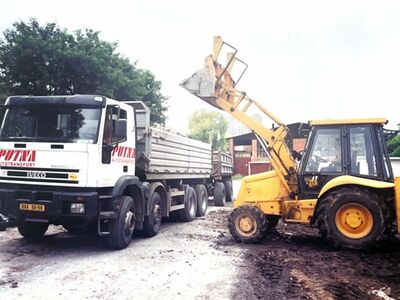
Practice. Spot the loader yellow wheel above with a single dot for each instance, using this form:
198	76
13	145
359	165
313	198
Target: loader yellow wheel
354	220
353	217
247	224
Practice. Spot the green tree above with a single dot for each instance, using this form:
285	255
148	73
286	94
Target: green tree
210	127
48	60
393	146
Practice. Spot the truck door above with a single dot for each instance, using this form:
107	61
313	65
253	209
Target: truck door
118	145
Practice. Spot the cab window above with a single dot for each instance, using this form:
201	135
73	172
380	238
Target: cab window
326	152
362	157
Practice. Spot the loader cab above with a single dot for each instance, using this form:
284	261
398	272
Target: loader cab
336	148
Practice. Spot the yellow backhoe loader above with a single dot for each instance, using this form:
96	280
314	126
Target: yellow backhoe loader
343	182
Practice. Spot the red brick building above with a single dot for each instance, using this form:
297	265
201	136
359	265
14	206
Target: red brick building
250	158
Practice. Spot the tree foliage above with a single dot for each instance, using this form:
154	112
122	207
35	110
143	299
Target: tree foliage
393	146
210	127
48	60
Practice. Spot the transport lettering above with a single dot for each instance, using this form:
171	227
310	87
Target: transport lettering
17	158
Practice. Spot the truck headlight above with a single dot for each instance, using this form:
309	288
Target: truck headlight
78	208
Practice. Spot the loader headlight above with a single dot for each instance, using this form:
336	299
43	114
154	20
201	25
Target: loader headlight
78	208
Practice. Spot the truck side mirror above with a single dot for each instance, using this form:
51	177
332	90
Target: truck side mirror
120	130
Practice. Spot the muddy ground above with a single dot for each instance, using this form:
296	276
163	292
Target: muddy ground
197	260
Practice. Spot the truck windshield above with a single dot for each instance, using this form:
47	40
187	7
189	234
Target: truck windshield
51	123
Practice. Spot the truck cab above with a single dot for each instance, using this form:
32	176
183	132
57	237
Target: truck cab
59	155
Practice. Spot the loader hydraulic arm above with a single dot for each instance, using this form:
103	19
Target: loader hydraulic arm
215	85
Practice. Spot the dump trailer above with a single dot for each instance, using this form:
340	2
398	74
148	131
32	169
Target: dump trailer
341	183
90	163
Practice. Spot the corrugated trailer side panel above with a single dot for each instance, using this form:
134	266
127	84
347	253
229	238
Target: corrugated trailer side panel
175	156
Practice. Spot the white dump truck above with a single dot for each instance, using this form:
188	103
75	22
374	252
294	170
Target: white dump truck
87	161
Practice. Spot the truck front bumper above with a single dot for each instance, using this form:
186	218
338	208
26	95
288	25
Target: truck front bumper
46	205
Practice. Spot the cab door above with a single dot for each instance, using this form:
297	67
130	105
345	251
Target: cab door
118	146
323	160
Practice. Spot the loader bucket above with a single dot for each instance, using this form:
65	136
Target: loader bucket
202	83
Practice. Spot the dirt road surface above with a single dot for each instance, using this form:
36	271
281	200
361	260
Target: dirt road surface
197	260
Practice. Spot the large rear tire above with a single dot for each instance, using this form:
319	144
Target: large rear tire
229	191
219	194
121	228
152	222
353	218
188	213
202	200
32	230
247	224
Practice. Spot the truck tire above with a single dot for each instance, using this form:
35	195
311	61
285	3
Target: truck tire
247	224
152	222
229	191
188	213
353	218
202	200
32	230
219	194
121	228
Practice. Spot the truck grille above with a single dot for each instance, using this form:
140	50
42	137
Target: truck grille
39	175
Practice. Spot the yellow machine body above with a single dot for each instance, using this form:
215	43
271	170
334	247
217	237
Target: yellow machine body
277	194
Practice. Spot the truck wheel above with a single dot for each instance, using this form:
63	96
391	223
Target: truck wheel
247	224
152	222
121	228
202	200
32	230
219	194
352	218
188	213
229	191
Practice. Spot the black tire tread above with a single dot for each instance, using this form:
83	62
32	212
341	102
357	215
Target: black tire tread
323	213
219	194
114	239
32	230
261	228
228	190
184	214
199	188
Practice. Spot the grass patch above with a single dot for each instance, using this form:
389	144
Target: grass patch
237	176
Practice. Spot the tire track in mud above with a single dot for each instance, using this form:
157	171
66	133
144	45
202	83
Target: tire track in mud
294	262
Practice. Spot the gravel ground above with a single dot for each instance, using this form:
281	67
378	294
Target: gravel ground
197	260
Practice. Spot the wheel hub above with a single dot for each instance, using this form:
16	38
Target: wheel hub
129	222
354	220
246	225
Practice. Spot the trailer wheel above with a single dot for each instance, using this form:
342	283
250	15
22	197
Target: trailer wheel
229	191
202	200
219	194
352	218
188	213
32	230
121	228
247	224
152	222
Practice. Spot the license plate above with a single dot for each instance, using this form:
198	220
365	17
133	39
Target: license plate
31	207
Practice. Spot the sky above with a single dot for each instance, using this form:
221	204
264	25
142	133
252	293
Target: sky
307	59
